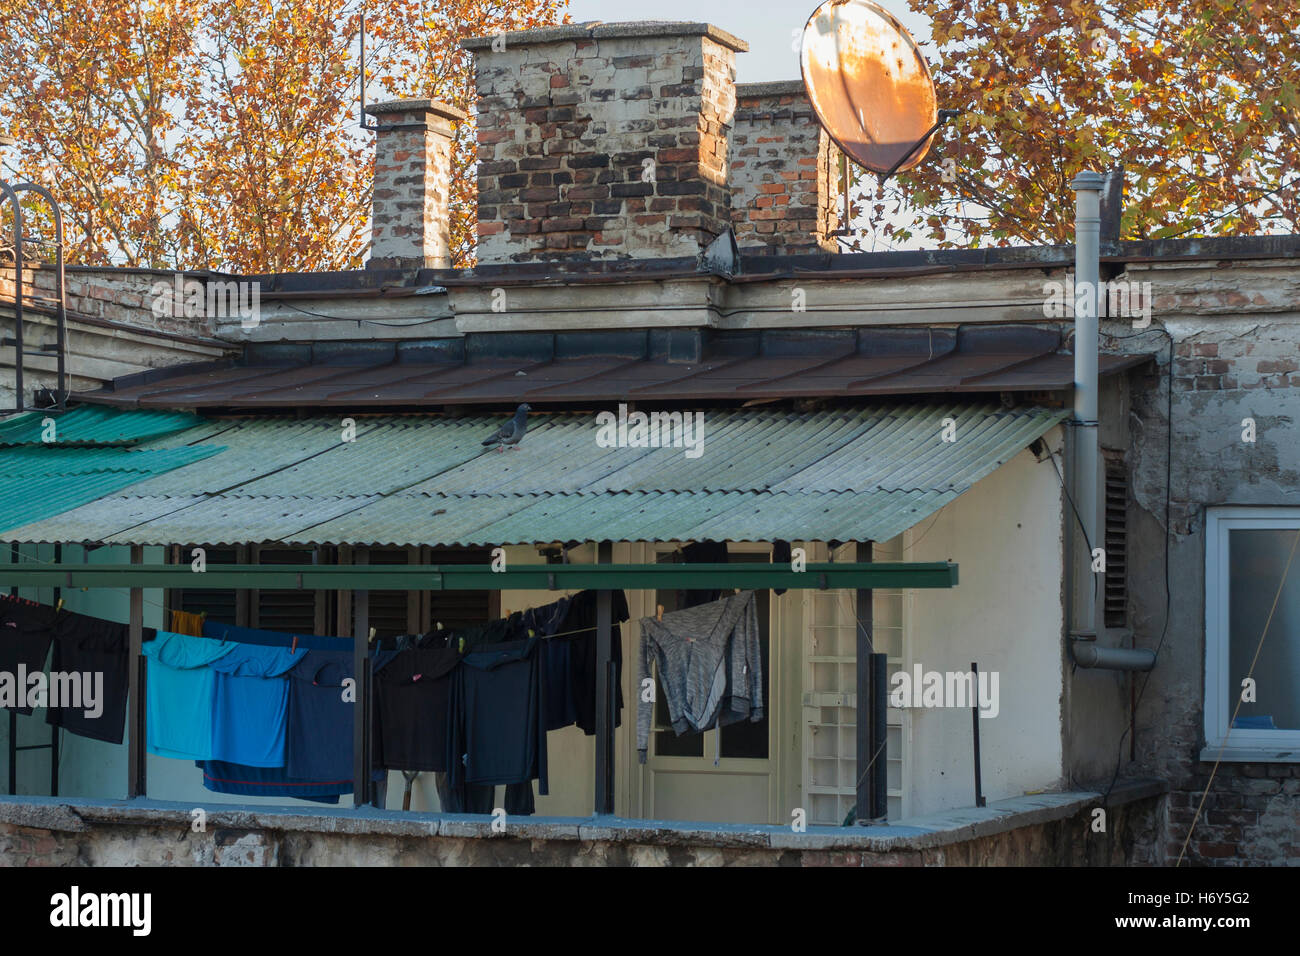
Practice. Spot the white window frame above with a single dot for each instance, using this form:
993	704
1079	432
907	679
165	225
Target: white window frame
1260	746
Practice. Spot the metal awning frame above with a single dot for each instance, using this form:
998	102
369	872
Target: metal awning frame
465	577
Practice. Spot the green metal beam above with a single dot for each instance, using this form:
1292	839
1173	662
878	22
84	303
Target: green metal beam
465	577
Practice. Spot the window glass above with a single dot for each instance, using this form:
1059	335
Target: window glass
1257	559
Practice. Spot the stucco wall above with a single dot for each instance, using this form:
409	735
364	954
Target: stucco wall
1006	615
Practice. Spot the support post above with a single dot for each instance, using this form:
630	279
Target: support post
866	766
604	691
136	784
879	737
361	716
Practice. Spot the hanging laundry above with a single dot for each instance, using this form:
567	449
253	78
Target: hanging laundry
183	622
710	666
26	630
318	741
250	635
250	716
497	733
581	617
100	649
702	552
180	694
413	693
222	777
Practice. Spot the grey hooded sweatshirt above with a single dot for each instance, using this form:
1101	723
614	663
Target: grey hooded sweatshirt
710	666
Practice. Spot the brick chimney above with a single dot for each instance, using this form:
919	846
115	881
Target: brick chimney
600	141
410	220
784	172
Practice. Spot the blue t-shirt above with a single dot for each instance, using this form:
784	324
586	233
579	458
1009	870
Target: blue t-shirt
179	694
251	704
319	745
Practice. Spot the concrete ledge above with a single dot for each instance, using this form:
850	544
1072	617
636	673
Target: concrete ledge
437	107
749	91
597	30
957	826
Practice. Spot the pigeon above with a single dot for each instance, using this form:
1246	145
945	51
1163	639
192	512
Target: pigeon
512	431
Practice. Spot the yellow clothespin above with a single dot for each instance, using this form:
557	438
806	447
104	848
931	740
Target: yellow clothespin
659	613
59	606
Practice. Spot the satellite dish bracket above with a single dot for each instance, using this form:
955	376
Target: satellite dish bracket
944	116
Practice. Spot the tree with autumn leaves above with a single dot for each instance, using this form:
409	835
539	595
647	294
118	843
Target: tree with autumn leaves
224	134
1198	99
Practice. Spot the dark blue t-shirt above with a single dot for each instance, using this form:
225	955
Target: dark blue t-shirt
318	743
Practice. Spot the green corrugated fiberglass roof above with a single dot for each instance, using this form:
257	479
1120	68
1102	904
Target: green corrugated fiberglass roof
852	474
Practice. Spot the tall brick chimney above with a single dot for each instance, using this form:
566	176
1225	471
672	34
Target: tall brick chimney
784	172
410	219
601	141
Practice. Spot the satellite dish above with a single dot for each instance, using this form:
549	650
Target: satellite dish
869	84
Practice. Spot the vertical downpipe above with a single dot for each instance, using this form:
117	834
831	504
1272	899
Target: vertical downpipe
1087	228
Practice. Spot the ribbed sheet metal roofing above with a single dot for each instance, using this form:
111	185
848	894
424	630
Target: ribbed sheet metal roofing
849	474
38	483
91	425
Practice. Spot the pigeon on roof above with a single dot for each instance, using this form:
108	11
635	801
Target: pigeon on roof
509	434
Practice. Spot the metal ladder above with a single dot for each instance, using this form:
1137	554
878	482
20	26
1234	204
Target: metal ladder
58	348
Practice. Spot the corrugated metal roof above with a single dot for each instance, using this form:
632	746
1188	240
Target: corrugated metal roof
579	367
852	474
38	483
92	425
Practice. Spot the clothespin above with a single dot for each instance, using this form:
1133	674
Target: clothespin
531	632
203	616
439	625
659	613
294	648
462	645
372	635
59	606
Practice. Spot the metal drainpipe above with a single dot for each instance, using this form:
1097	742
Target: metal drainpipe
1087	187
1087	232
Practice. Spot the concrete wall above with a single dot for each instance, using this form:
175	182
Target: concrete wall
112	329
1236	334
1045	830
1007	615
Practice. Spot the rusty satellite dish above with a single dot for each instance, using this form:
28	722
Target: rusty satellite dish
869	84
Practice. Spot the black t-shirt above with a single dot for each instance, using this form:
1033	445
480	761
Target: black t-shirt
25	634
412	693
86	645
582	655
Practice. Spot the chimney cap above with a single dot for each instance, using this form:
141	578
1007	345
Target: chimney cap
595	29
418	106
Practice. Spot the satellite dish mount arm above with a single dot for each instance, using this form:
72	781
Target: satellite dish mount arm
944	116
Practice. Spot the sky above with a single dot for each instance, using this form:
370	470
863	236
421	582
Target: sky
770	27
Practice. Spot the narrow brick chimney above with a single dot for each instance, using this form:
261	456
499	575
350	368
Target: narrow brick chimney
600	141
784	172
410	221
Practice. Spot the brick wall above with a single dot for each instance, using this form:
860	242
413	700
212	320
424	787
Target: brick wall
410	218
603	142
1251	816
784	172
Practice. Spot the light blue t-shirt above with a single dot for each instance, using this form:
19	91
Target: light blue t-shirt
179	689
251	704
